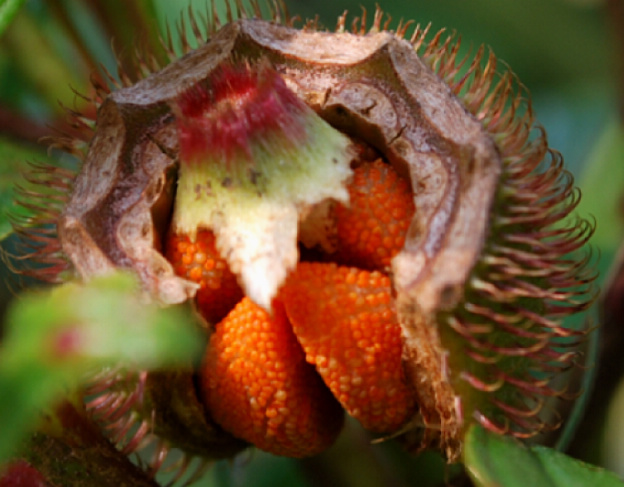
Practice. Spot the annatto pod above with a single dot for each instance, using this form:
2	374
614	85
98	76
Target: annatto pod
408	194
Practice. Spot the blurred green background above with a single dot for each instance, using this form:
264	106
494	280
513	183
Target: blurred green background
568	53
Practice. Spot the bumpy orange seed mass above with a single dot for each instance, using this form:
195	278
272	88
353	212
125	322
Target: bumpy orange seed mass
200	262
259	387
256	381
344	318
372	227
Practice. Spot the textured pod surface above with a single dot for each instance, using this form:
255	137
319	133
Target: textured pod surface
489	267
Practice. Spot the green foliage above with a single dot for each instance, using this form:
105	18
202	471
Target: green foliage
53	338
494	461
602	182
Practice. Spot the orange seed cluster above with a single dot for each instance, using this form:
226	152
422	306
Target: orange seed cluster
344	319
258	386
372	227
199	261
273	379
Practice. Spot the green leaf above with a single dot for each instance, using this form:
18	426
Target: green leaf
494	460
54	338
602	184
8	10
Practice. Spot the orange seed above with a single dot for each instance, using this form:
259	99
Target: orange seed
372	228
258	386
343	318
200	262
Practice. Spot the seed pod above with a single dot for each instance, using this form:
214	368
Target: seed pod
490	264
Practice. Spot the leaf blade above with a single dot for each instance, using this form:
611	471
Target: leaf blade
53	338
498	461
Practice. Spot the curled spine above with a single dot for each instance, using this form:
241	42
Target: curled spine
115	403
41	199
44	195
37	252
114	398
535	269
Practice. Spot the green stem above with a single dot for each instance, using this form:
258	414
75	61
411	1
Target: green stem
8	10
123	24
42	65
59	10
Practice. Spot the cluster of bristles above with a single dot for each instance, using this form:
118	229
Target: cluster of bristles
507	329
529	276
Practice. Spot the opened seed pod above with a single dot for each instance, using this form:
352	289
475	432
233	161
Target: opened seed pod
366	222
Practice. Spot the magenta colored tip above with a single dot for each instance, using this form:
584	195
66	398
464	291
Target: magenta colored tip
234	108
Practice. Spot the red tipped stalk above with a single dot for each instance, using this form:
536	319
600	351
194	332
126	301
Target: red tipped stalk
254	159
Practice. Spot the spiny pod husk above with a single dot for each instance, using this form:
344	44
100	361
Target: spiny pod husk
490	264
